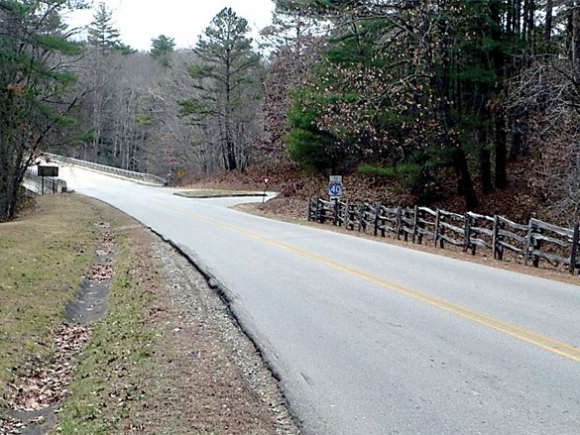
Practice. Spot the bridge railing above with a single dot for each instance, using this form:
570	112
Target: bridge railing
41	185
139	177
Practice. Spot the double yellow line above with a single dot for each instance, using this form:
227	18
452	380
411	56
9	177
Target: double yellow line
559	347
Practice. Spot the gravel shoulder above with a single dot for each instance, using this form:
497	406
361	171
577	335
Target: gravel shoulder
217	375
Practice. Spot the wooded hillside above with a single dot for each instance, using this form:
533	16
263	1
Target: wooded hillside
430	100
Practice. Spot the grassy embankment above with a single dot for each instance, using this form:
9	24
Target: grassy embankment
159	361
44	257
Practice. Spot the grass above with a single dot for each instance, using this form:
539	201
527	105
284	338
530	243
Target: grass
154	363
109	385
44	257
109	381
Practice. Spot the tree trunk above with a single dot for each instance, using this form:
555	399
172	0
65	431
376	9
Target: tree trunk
500	151
464	182
517	141
232	162
573	33
548	21
484	161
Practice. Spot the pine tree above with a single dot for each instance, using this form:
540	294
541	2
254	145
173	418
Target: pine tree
222	77
103	34
30	34
162	49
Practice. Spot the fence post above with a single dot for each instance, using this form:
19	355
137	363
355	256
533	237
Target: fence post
383	230
442	232
364	216
466	231
415	221
377	213
404	223
361	217
536	246
497	254
398	223
531	244
346	215
436	230
317	210
528	243
335	212
574	250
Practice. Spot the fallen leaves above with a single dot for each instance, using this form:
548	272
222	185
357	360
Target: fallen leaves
103	270
39	384
11	426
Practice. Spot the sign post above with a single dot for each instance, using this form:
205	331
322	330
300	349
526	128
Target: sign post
266	180
47	171
335	187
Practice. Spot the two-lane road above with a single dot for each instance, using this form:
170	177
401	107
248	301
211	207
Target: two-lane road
369	338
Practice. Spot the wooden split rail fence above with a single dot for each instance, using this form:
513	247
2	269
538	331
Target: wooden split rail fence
496	234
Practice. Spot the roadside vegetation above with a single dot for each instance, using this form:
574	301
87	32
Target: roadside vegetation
44	256
165	357
457	105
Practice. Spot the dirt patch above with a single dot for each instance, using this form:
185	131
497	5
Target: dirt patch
90	301
42	385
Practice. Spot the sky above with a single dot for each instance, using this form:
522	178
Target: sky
139	21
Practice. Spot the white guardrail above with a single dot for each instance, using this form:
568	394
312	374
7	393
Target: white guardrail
138	177
46	185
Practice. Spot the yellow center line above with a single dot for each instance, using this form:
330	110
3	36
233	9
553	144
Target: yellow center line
559	347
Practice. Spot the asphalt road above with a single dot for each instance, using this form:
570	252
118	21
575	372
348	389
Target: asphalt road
369	338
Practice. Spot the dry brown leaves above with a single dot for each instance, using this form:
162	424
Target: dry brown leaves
103	270
40	384
11	426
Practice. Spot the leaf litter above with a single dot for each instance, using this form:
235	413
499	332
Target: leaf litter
40	384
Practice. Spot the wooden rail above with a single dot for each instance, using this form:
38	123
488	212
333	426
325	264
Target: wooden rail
533	241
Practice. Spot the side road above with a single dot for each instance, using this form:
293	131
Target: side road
162	355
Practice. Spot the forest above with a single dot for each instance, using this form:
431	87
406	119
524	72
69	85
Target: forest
440	98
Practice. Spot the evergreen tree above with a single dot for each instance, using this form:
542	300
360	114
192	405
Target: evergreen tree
223	78
418	86
30	34
162	49
308	144
103	34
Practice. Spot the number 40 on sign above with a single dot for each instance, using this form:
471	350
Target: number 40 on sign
335	186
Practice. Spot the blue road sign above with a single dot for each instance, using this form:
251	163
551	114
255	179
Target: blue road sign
335	189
